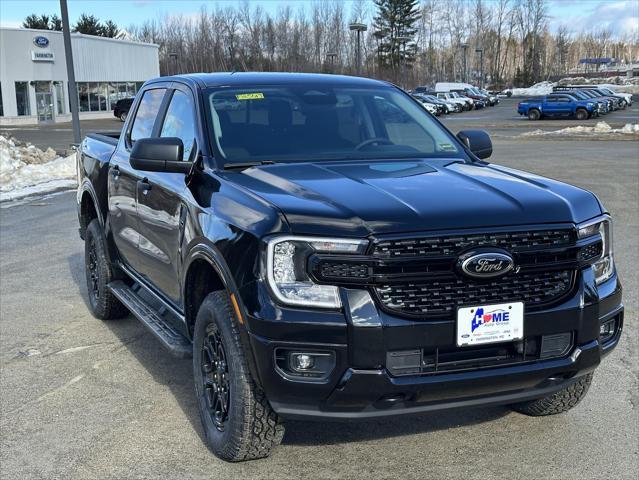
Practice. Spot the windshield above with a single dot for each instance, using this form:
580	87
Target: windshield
579	95
319	122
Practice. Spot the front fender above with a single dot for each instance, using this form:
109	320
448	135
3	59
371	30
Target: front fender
207	251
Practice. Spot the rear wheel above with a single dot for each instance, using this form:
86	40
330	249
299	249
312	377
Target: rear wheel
123	116
238	421
534	114
581	114
558	402
99	272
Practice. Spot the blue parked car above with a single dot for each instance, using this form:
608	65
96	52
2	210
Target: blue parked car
557	105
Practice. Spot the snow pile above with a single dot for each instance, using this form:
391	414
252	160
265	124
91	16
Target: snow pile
599	128
27	170
538	89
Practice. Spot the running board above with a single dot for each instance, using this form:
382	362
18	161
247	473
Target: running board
153	319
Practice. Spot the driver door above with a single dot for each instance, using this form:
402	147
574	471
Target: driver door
123	179
161	210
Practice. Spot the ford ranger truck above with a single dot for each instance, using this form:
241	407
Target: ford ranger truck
323	248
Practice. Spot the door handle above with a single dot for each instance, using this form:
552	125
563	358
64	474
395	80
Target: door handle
144	185
115	171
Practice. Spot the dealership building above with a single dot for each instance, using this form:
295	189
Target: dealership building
33	74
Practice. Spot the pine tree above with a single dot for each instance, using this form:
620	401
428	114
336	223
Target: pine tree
38	22
89	25
110	29
55	23
396	21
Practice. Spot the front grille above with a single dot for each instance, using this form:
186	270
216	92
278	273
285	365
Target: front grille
328	269
451	245
442	296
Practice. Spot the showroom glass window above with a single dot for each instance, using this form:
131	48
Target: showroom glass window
179	121
102	96
146	114
59	97
22	99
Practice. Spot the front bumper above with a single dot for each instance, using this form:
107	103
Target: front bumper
360	386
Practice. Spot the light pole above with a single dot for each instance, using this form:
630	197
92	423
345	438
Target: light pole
73	91
402	41
464	47
481	66
331	57
359	28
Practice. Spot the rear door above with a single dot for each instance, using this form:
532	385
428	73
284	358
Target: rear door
552	105
123	179
161	212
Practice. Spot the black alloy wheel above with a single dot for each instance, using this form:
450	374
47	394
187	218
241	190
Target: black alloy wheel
215	377
92	271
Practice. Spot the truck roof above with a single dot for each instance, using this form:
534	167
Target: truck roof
204	80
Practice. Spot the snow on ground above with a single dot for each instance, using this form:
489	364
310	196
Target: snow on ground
599	128
27	170
617	84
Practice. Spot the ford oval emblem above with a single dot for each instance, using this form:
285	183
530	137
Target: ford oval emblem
486	264
40	41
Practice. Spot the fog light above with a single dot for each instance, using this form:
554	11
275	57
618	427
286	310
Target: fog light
607	330
304	366
302	361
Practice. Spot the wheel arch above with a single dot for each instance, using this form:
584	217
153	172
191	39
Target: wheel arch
88	208
206	271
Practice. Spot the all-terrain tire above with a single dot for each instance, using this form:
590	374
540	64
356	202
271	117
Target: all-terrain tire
558	402
251	428
99	272
534	114
581	114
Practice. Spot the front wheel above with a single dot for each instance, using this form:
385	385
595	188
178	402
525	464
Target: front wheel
123	116
99	272
581	114
238	421
534	114
558	402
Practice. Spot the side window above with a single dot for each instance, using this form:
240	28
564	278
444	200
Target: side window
146	114
179	121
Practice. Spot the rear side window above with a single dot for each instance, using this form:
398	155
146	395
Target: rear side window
179	121
146	114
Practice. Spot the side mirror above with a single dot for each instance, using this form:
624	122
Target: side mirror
159	155
477	141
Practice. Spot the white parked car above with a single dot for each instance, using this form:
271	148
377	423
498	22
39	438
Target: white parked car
465	102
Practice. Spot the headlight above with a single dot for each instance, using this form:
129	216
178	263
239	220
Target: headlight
605	266
286	269
591	104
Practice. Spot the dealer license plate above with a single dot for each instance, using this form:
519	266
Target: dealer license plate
484	324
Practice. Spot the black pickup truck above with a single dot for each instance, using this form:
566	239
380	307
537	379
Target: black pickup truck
324	248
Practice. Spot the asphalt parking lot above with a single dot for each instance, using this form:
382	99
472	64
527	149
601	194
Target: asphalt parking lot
83	399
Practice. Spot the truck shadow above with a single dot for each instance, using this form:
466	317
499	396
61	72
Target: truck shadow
176	374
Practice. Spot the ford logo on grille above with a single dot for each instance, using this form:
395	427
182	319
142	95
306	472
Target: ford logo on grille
486	264
40	41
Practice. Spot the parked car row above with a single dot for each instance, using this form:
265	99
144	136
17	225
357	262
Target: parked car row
579	101
453	97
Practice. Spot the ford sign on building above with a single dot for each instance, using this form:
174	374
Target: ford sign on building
33	74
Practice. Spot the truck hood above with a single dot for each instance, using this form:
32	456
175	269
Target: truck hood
378	197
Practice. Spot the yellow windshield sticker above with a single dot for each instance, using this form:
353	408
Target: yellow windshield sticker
250	96
447	147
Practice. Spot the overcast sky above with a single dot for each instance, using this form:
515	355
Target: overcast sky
622	16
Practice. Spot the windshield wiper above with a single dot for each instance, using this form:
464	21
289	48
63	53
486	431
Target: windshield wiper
245	165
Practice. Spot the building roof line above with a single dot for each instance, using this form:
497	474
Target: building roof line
80	35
